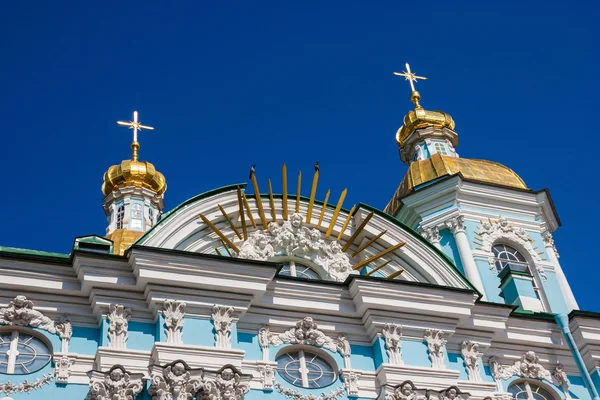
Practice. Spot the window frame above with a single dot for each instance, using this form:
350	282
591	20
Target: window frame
527	384
303	351
120	216
16	333
530	265
293	264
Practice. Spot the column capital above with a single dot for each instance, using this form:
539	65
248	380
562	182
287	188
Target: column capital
549	242
456	224
432	234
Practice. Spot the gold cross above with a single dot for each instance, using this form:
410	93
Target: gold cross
410	76
135	125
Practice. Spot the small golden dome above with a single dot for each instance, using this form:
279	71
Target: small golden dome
134	173
437	166
421	118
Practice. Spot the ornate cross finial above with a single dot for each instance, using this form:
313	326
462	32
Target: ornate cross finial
135	125
411	77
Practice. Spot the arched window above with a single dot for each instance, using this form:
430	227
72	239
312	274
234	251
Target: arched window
120	216
527	390
293	268
22	353
506	255
305	368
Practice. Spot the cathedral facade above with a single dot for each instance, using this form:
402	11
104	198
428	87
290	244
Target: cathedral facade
454	291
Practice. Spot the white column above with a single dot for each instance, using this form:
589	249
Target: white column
433	235
457	227
560	275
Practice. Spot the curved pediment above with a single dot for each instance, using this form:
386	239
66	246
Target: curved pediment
338	242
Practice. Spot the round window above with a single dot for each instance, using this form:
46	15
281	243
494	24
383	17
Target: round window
305	369
22	353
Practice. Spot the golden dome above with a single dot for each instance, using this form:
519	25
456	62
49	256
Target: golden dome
421	118
437	166
134	173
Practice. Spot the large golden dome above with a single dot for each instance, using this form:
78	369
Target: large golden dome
134	173
437	166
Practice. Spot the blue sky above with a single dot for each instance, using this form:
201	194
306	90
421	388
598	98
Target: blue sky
231	84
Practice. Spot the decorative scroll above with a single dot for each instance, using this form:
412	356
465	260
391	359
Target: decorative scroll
174	312
118	319
294	394
293	239
435	346
226	386
264	341
560	379
222	320
65	331
176	381
26	386
528	366
470	353
116	384
343	347
392	334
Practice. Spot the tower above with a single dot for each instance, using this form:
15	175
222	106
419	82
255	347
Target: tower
479	213
133	195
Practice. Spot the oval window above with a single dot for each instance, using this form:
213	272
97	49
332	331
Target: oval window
305	369
22	353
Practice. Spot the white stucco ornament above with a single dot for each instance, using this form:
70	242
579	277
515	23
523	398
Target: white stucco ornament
116	384
528	366
226	386
26	386
435	346
305	331
471	354
405	391
62	369
291	238
503	230
173	312
222	320
392	333
560	379
118	319
20	312
294	394
175	381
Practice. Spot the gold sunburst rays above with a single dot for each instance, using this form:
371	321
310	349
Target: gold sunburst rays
338	207
248	222
378	256
313	192
220	234
284	192
261	211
